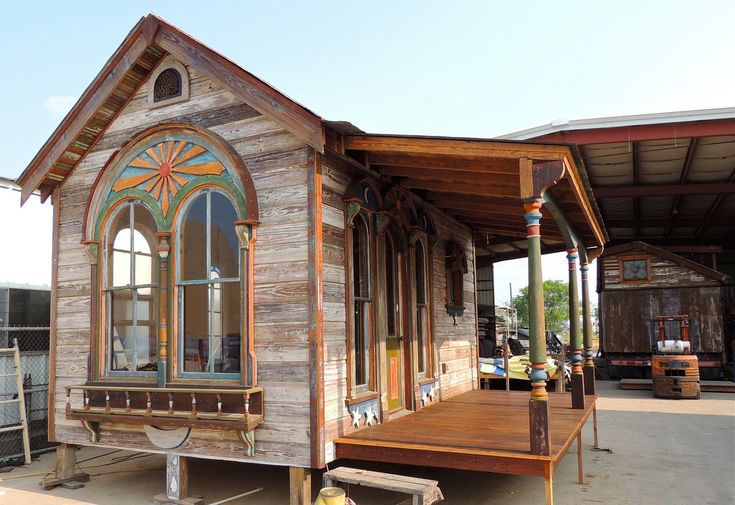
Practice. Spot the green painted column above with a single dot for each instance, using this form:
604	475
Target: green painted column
589	364
537	323
575	334
538	408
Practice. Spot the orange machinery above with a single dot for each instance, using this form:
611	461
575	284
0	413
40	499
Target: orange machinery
674	364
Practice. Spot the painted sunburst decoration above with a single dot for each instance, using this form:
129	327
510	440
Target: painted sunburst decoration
164	168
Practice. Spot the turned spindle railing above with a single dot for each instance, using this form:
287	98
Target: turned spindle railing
229	409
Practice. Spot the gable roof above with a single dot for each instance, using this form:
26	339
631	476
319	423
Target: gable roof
143	49
663	253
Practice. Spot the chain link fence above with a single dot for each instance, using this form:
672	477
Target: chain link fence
33	342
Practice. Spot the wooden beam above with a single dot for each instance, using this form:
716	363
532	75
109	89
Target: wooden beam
713	188
604	135
682	180
449	175
463	188
496	229
659	222
446	162
715	205
101	88
453	146
636	182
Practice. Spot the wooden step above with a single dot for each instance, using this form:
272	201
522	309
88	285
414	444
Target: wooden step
424	491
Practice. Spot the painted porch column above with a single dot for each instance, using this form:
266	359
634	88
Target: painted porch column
575	335
163	250
538	404
589	364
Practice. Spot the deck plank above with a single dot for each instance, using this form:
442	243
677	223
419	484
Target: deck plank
482	429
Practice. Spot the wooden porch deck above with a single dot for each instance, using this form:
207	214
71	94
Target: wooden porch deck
481	430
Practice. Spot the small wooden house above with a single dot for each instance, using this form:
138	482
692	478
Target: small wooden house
639	282
236	278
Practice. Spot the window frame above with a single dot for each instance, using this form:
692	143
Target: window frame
621	266
423	342
105	304
177	337
113	187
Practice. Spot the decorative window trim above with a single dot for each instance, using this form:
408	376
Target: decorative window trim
117	184
455	262
621	266
168	63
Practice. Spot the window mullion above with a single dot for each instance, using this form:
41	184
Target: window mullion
210	287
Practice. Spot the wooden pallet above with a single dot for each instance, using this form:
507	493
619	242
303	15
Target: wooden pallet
706	386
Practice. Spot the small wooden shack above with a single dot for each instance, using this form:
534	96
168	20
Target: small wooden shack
639	282
236	278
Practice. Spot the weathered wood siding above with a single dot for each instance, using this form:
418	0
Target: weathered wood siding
277	161
628	308
455	350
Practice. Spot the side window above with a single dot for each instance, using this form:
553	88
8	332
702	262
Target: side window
456	267
209	287
422	319
362	300
130	291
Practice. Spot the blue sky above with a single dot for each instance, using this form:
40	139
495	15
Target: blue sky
439	68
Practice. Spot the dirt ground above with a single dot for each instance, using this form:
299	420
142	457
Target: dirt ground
664	452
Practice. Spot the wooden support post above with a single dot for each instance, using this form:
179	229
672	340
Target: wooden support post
300	485
177	483
538	405
589	364
549	484
575	335
66	461
580	468
594	426
66	464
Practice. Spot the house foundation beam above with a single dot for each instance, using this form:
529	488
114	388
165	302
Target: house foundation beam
538	404
575	335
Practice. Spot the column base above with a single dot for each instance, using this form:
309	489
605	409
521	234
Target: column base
162	499
577	391
538	413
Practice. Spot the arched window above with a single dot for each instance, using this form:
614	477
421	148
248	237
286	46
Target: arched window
130	287
422	319
171	223
209	286
362	299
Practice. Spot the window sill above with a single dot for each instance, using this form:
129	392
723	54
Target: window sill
427	380
362	397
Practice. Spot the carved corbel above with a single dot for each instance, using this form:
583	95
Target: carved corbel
353	208
164	246
381	222
92	249
93	430
246	233
536	178
247	438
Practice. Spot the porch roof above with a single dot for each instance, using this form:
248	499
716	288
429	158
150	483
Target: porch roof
478	182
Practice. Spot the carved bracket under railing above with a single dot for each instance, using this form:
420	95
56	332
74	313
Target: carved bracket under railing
239	410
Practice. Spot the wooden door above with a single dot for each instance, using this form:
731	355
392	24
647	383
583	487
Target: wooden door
393	374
